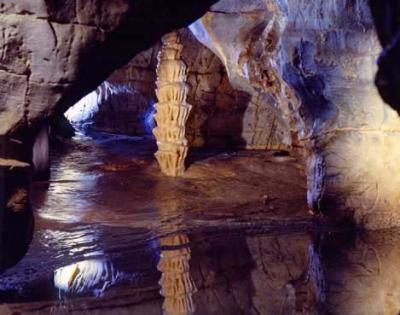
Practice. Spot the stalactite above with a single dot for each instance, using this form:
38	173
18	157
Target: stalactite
177	286
172	109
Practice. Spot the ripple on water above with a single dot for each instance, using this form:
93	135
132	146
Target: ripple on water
98	248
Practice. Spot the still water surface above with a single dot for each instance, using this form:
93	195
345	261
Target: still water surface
102	245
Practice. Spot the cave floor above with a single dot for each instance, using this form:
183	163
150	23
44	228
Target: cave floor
108	222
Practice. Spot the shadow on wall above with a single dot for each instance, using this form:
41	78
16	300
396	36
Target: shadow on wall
127	112
387	21
222	117
16	217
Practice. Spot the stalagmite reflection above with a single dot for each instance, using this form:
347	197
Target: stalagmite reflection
177	285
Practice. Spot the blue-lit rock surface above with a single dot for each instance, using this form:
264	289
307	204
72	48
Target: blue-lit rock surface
315	64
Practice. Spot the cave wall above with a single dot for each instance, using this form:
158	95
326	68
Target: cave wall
53	52
316	62
126	98
222	117
306	67
351	133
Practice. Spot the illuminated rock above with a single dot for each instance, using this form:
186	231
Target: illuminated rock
54	54
318	72
310	64
172	109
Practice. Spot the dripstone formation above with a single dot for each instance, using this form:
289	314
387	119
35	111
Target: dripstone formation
172	109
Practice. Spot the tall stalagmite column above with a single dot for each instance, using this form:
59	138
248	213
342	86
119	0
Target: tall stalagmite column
172	109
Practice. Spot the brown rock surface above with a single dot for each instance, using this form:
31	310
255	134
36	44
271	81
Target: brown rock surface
317	71
54	53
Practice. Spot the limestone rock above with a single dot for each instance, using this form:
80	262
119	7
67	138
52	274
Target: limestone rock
53	53
317	71
172	108
222	117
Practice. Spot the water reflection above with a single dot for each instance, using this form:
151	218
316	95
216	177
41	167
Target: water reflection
200	272
16	232
89	276
59	196
362	273
177	285
79	265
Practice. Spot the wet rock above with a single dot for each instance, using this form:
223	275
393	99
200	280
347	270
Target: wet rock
54	54
316	72
222	117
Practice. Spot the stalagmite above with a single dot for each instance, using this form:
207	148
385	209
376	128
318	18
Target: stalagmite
177	286
172	109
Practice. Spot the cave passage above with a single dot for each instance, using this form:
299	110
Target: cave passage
184	157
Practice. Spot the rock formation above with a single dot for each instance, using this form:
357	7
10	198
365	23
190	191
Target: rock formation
222	117
317	71
172	108
53	53
306	69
